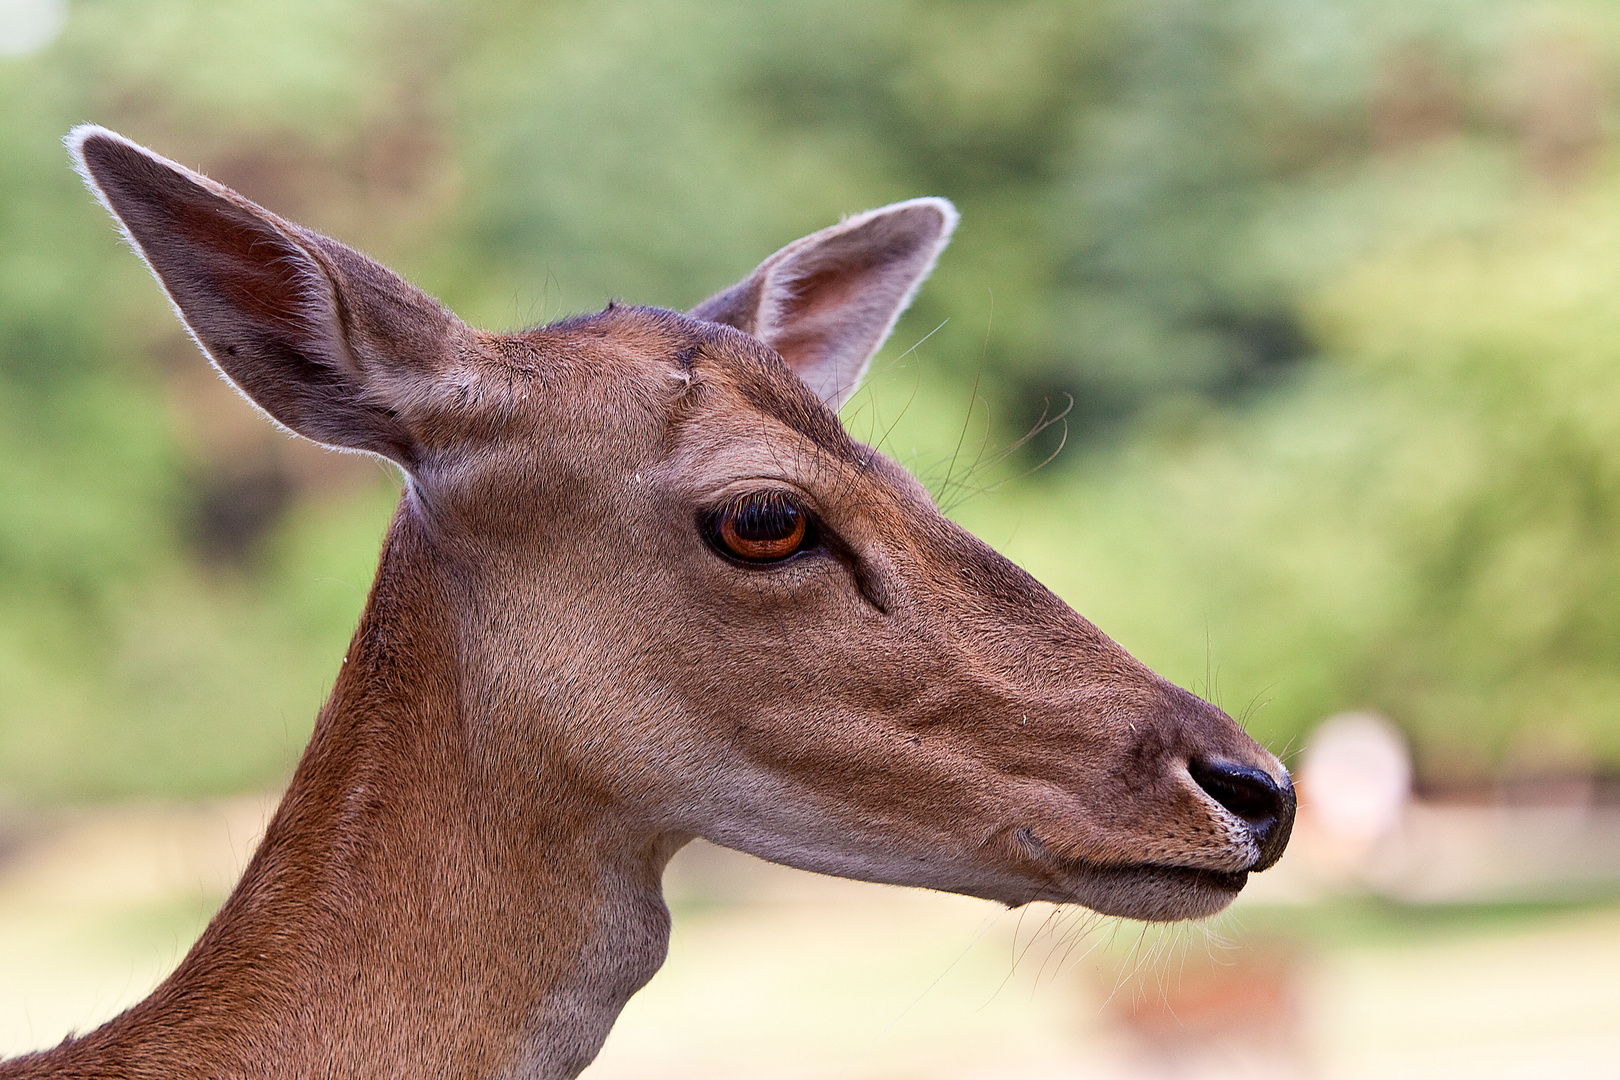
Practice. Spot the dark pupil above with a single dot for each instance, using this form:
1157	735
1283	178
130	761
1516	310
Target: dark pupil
765	518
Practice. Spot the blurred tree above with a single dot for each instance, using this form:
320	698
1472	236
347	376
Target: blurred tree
1505	350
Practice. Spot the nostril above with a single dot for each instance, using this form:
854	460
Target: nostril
1264	804
1247	792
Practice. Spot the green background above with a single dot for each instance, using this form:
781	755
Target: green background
1333	288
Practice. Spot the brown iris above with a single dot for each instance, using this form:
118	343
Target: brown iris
761	527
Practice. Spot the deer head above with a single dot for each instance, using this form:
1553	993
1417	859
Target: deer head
643	586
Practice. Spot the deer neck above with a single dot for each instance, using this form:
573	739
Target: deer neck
399	920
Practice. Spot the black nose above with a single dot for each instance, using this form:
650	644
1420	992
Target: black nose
1251	794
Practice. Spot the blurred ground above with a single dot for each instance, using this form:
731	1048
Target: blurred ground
775	973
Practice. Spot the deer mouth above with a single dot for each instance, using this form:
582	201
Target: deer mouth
1155	892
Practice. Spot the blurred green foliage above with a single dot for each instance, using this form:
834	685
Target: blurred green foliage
1327	283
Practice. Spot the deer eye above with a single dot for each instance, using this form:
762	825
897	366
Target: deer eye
761	527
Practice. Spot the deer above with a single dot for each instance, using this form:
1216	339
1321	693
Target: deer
641	587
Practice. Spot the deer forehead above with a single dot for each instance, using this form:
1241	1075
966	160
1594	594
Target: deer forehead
645	396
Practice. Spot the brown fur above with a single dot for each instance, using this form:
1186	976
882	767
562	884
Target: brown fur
556	683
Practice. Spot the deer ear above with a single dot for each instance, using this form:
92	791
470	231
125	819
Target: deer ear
326	341
827	302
